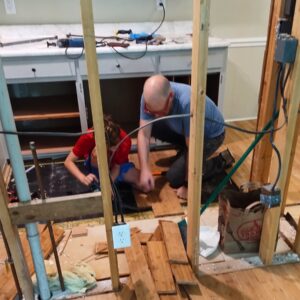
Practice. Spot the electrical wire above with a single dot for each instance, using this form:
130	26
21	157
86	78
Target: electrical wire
277	152
146	41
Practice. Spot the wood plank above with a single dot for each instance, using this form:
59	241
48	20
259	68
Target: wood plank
55	209
173	241
263	151
47	116
79	231
144	237
17	253
201	12
184	274
157	235
140	274
160	268
7	285
271	219
102	268
98	122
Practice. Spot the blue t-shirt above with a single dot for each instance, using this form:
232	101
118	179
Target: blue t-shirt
181	105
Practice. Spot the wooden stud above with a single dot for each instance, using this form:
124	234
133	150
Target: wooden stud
271	218
263	152
55	209
201	11
13	240
98	122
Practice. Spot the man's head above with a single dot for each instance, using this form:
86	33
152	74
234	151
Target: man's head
158	96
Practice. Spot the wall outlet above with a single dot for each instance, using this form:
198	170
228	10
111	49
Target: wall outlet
158	4
121	236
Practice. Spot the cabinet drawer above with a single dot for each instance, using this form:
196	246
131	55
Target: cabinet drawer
123	66
38	70
182	63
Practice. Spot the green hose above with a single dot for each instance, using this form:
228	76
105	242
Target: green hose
225	180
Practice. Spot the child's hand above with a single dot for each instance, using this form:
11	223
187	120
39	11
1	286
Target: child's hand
88	179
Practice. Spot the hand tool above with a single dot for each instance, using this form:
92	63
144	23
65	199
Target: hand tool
109	37
43	196
124	31
28	41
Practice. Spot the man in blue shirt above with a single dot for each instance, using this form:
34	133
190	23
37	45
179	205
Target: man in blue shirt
161	98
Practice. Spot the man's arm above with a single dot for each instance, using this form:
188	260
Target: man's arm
143	142
73	169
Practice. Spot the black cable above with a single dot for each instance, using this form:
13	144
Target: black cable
162	21
132	57
146	40
277	152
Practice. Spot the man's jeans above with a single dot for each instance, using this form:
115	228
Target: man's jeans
176	173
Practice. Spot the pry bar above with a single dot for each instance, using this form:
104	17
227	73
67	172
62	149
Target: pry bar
28	41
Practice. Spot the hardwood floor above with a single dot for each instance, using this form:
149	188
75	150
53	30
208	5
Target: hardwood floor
238	142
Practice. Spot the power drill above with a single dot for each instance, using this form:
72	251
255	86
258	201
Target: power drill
70	43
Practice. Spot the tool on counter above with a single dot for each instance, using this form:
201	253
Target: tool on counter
79	43
43	196
109	37
28	41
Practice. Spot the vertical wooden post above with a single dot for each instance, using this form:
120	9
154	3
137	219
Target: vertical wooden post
263	152
271	219
97	113
199	69
15	246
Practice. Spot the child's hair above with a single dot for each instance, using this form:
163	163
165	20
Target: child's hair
112	131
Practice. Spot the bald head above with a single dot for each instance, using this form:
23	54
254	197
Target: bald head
156	92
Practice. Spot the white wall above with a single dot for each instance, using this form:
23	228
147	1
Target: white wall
232	19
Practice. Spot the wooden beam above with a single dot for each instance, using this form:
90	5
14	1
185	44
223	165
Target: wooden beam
97	114
263	152
15	246
271	219
56	209
201	11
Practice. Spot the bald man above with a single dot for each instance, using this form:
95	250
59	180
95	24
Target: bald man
161	98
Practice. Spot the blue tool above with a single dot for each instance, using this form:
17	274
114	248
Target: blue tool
70	43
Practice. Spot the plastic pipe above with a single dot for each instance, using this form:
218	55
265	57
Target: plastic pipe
16	160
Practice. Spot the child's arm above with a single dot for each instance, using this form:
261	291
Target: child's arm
114	172
73	169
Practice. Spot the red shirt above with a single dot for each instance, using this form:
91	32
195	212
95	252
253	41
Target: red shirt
86	143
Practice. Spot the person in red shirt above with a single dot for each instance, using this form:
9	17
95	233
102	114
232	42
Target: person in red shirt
121	170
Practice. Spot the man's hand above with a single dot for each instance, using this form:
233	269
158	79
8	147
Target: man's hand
88	179
182	192
147	181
